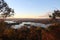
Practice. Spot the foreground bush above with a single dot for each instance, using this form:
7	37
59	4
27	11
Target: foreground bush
32	33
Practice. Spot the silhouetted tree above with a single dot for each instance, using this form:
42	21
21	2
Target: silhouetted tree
55	14
5	11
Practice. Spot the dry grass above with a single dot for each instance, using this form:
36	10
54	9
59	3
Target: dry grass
32	33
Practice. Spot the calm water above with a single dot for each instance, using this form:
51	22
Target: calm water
30	23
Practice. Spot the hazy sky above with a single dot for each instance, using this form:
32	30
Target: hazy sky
33	8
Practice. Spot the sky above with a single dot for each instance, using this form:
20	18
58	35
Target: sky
33	8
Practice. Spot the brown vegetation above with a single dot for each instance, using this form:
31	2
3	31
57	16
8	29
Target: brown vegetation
32	33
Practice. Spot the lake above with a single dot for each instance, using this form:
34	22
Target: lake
28	24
